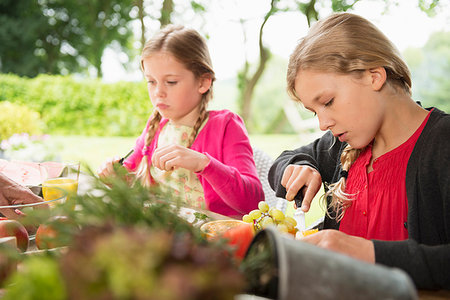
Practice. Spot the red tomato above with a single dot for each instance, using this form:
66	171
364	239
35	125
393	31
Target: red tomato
240	237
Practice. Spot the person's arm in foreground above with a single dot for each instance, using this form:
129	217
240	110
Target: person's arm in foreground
12	193
428	266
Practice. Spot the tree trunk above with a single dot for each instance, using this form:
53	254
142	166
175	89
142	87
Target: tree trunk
166	12
248	83
140	5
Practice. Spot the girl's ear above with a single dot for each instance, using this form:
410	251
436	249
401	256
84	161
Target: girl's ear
205	83
378	77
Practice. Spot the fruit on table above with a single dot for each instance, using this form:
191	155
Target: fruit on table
215	229
238	234
240	238
264	216
16	229
55	233
306	232
23	173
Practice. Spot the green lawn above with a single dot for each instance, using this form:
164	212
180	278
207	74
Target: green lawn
92	151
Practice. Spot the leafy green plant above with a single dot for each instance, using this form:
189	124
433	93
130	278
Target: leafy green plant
132	244
81	107
17	118
39	278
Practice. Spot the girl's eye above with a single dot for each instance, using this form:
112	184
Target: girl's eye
171	82
329	102
151	82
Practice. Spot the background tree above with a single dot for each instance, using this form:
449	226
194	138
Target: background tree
92	25
31	42
60	36
430	66
247	80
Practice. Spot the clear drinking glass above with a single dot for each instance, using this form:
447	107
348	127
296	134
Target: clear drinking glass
59	176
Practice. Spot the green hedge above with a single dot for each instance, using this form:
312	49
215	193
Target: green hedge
69	106
15	118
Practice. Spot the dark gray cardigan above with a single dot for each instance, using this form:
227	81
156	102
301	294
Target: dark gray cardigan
425	256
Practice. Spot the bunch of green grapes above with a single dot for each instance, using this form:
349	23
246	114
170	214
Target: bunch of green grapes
265	216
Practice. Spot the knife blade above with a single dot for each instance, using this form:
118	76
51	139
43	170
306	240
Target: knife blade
299	215
126	156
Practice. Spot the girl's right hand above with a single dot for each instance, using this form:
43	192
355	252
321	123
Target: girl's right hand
107	168
296	177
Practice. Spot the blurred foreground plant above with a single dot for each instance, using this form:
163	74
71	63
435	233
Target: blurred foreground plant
131	244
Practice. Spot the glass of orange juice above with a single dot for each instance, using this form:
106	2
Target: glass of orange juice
60	176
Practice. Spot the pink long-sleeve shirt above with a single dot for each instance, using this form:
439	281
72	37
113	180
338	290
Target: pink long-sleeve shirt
230	181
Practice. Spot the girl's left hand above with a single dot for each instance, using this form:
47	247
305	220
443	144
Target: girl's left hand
171	157
338	241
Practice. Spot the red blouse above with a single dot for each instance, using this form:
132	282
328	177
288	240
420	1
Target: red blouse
380	207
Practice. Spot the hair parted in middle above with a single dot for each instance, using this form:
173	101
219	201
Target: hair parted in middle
189	48
346	43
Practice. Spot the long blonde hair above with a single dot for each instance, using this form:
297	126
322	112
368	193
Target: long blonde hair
189	48
346	43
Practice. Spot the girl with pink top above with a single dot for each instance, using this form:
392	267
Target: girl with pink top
203	157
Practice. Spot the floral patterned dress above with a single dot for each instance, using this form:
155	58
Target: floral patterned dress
180	182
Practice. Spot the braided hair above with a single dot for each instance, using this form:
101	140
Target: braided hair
190	48
346	43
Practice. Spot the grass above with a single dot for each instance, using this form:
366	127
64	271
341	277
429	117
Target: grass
93	151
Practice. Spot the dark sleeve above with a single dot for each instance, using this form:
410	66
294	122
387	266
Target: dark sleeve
323	154
428	266
426	255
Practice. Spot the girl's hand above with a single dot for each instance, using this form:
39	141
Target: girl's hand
356	247
107	168
296	177
172	157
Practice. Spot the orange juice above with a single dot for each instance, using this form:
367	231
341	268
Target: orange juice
49	191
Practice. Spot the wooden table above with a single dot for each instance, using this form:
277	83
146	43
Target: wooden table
434	295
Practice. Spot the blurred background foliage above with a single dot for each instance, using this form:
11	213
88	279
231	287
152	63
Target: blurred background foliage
51	55
68	106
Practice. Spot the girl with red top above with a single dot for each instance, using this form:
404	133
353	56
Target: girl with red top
385	160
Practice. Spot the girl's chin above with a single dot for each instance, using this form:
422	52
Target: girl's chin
357	145
163	113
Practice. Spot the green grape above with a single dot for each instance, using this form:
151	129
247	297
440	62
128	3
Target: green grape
266	221
290	227
255	214
270	212
263	206
27	210
290	220
247	219
277	215
282	228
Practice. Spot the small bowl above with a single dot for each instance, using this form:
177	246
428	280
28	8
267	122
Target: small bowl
217	228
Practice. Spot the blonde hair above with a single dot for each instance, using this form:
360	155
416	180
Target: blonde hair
189	48
346	43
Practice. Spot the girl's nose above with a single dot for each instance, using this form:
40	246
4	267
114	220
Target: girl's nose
160	91
325	122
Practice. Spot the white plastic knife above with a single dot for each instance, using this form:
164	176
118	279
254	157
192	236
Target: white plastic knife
299	214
